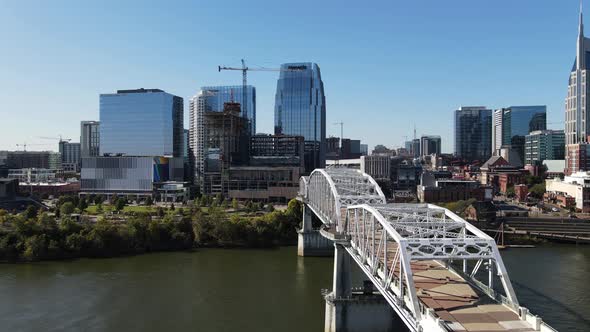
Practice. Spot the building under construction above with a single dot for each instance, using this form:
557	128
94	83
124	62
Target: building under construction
225	143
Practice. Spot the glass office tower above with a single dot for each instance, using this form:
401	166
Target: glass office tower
300	109
511	125
473	133
215	96
143	122
89	139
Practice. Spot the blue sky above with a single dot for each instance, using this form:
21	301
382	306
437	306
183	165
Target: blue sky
385	64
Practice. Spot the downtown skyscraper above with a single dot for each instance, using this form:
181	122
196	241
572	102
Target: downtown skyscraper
577	108
300	109
213	99
473	135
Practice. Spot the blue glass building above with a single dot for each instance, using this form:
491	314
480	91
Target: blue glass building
473	133
300	109
215	96
143	122
511	125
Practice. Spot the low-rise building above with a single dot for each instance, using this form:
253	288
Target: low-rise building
501	175
521	192
128	175
574	188
439	187
8	189
32	175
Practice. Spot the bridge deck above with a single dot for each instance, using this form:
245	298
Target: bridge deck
456	302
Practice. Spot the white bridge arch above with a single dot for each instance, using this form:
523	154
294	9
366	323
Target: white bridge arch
389	242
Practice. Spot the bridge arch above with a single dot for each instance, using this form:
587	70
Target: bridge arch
389	242
329	191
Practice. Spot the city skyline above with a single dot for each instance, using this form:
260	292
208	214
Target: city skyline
381	86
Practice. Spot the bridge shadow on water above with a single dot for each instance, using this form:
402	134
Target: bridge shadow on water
580	319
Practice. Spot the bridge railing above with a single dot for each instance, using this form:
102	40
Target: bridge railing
385	238
328	191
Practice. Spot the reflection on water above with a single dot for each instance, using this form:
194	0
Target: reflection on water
241	290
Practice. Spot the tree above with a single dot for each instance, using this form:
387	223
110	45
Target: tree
99	209
66	209
98	199
30	212
510	192
538	190
114	199
234	204
270	207
120	204
172	206
160	212
149	201
82	204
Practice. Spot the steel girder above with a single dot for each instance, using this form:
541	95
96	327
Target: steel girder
384	239
328	191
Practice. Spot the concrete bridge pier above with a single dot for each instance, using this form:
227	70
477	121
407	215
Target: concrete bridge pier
360	310
310	242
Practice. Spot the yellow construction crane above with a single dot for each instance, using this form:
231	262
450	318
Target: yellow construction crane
244	69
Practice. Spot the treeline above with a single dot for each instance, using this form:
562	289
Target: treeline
31	236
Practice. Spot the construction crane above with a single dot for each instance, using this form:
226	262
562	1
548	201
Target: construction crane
60	138
244	69
24	145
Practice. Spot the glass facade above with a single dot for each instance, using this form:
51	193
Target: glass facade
215	96
473	133
143	122
430	144
515	123
300	109
544	145
89	139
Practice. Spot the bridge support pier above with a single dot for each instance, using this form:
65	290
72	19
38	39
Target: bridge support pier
310	242
359	310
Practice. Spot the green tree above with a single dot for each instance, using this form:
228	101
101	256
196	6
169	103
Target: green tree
270	207
82	204
149	201
66	209
120	203
99	209
99	199
234	204
510	192
538	190
172	206
30	212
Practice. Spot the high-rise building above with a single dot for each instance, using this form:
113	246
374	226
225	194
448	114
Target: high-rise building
300	109
142	122
141	146
213	99
544	144
89	139
473	136
70	156
577	107
415	148
511	125
430	144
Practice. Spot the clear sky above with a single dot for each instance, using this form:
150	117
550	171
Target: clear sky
386	65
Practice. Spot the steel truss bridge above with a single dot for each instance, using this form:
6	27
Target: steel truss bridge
437	271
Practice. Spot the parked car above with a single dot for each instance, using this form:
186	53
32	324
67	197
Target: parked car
554	209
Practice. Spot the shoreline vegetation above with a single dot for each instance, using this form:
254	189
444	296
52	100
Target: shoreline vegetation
80	228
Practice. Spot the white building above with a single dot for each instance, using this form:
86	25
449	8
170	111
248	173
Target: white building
576	185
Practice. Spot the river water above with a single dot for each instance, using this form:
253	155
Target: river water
241	290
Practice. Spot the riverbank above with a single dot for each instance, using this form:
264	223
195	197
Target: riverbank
26	237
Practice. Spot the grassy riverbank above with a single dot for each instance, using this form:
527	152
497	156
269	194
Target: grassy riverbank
35	236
